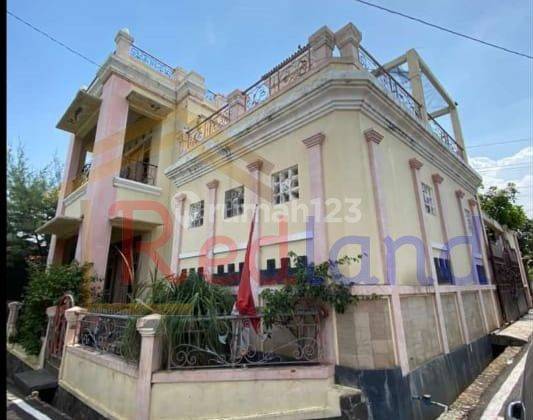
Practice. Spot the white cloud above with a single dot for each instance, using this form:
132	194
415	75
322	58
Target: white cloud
515	168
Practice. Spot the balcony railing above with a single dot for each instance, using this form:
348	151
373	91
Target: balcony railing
139	171
283	75
82	177
406	100
111	334
151	61
231	341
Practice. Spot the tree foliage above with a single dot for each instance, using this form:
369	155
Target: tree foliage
31	201
500	204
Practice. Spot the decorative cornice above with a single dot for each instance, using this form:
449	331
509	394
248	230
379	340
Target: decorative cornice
255	166
180	197
315	140
437	179
459	194
372	135
212	184
414	163
323	92
128	184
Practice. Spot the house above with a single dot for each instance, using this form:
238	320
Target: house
333	154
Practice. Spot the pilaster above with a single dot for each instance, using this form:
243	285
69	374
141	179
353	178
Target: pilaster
179	200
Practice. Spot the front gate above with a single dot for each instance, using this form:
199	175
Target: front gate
508	281
56	332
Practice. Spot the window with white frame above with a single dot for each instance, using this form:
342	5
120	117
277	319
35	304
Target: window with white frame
196	214
429	202
234	202
285	185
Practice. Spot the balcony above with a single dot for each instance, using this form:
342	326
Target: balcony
82	177
139	171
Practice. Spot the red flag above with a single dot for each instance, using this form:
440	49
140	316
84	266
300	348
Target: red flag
245	298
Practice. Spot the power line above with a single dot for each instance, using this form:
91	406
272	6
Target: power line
451	31
72	50
499	142
515	166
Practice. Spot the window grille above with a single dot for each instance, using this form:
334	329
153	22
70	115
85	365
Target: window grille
285	185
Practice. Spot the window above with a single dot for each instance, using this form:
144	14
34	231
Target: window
427	194
285	185
196	214
481	275
234	200
443	269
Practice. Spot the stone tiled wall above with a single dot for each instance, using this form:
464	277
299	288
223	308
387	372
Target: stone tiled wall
421	330
450	311
492	318
474	318
364	335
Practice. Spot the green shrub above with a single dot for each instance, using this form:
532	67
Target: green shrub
45	287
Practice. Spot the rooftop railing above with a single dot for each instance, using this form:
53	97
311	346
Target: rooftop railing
283	75
82	177
151	61
293	69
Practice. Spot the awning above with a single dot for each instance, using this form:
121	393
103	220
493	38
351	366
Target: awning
61	226
82	109
138	225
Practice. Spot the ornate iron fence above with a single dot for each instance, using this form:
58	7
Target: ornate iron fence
283	75
111	334
139	171
231	341
445	138
151	61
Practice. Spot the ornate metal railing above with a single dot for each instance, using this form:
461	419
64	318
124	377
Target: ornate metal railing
389	83
283	75
139	171
405	99
82	177
445	138
231	341
151	61
111	334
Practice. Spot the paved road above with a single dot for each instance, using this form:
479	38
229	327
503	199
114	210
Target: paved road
20	408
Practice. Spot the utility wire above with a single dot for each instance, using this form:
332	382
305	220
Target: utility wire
72	50
499	142
451	31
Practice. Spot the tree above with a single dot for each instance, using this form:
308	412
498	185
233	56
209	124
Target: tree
500	205
31	201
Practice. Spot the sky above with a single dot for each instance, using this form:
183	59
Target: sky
233	43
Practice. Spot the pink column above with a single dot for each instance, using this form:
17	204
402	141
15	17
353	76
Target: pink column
107	158
415	166
373	139
255	172
211	227
320	240
316	180
179	200
72	166
460	195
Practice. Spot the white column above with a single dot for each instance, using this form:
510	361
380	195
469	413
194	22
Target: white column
179	200
211	227
73	317
149	362
460	195
348	39
255	273
14	309
322	43
415	166
373	139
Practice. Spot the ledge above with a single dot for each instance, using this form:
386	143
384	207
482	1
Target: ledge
128	184
245	374
105	360
74	195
